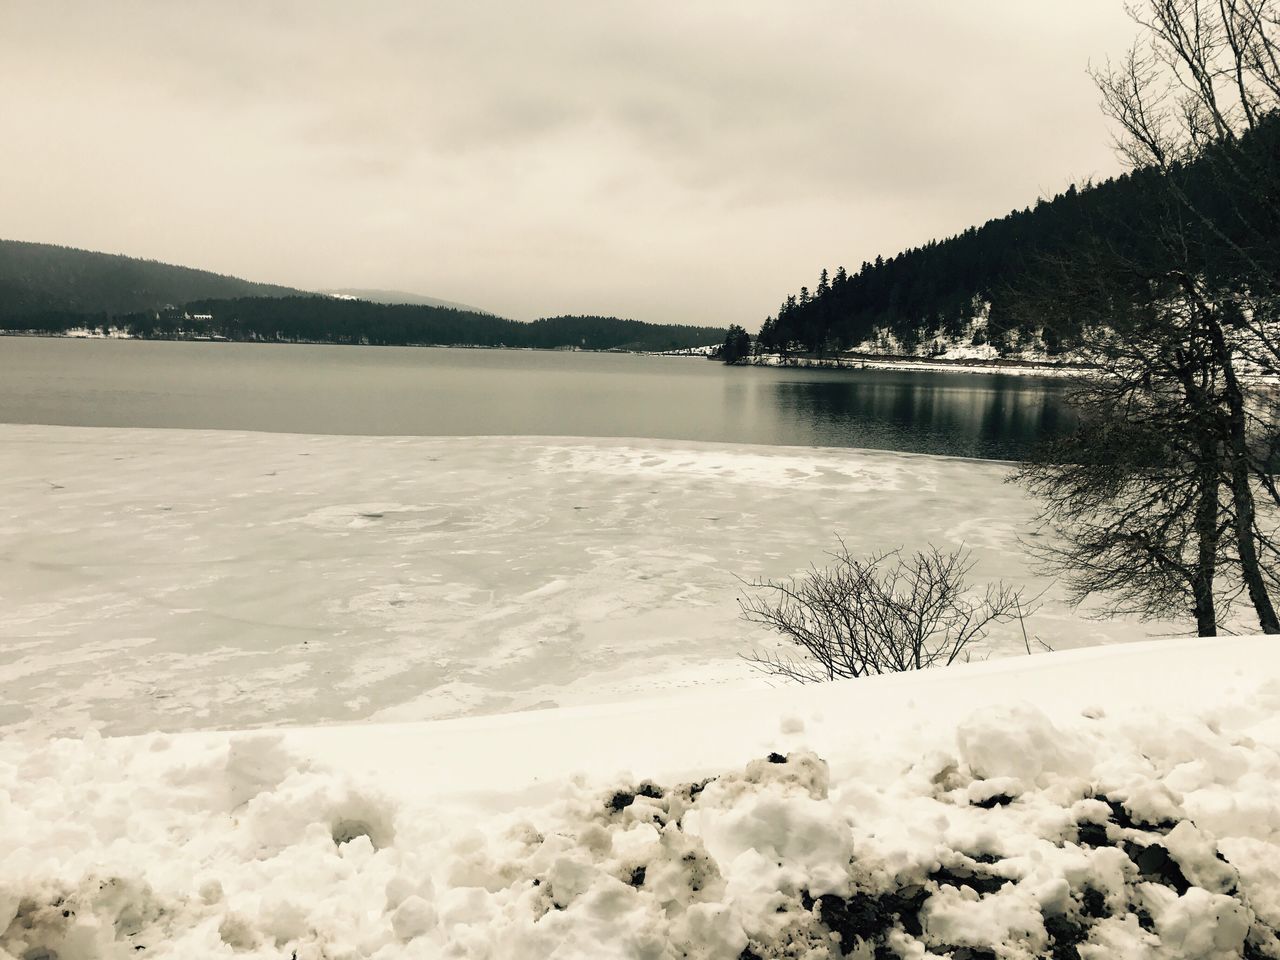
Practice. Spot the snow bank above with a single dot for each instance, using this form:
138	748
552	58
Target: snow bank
1113	802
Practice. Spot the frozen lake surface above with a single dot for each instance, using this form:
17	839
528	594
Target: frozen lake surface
415	391
181	579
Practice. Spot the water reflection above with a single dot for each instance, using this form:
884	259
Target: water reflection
415	391
996	417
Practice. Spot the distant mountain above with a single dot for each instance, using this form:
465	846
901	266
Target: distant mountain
53	290
400	296
39	278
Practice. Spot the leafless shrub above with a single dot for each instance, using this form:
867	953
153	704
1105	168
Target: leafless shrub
884	613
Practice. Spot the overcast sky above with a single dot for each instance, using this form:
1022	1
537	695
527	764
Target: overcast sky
685	161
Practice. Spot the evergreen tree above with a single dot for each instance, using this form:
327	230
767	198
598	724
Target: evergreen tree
934	286
737	345
318	319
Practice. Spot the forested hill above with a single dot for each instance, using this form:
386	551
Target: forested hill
51	289
321	319
37	278
934	291
607	333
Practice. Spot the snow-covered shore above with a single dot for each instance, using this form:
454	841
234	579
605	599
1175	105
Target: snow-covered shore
173	579
1102	803
857	361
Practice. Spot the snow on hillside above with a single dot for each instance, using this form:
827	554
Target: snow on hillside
969	351
1102	803
244	580
971	342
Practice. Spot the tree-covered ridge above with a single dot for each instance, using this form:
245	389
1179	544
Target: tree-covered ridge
940	287
52	289
320	319
41	278
612	333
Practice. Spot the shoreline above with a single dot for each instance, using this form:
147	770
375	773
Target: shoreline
862	361
850	362
698	352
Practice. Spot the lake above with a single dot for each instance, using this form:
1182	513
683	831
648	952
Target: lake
419	391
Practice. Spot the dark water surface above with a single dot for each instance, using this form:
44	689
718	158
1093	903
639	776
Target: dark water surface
424	391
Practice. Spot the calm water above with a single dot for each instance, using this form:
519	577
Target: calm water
419	391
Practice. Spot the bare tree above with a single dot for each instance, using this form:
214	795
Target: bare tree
1132	509
1143	501
884	613
1178	327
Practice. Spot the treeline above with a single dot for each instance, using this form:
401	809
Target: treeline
994	272
319	319
42	279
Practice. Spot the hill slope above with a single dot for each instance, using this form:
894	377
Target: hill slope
50	289
40	278
399	296
328	320
987	272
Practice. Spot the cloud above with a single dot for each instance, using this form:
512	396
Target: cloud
674	161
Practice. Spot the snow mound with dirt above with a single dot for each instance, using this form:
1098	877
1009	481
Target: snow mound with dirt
1132	815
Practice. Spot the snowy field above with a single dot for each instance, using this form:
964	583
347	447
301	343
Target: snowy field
566	758
174	580
1113	802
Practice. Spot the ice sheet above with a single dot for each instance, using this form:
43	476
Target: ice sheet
173	579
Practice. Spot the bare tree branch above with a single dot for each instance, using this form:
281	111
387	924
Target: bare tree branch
884	613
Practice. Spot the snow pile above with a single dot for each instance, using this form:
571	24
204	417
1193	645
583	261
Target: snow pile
1136	816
